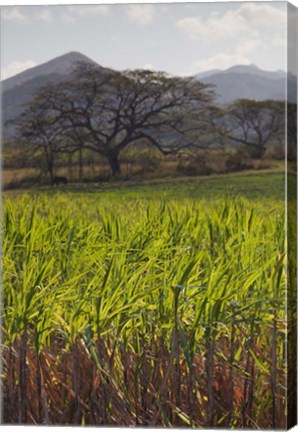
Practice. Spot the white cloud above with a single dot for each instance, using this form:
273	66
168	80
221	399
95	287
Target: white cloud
42	13
249	46
16	67
237	36
259	15
249	20
13	14
67	18
148	66
16	14
73	13
219	61
142	14
45	15
212	29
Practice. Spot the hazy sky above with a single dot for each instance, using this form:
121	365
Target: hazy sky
177	38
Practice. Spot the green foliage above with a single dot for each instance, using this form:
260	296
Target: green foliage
128	272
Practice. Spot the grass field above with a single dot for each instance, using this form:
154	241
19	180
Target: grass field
155	304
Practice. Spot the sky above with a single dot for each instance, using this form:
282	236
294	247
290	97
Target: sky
181	39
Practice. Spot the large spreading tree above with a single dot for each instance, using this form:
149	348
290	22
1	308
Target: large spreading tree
105	111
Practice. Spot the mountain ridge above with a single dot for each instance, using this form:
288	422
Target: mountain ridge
239	81
249	82
251	69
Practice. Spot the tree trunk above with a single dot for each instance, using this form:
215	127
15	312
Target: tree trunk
50	163
114	164
80	163
69	162
51	171
260	152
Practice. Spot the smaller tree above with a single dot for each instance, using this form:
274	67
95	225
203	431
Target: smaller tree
256	123
216	126
40	130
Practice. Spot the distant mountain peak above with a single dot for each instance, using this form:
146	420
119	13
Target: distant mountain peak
72	56
72	53
17	91
62	65
250	68
253	69
253	66
245	82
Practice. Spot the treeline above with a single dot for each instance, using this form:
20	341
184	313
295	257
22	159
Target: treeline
103	115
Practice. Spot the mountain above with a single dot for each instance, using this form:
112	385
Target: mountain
62	65
248	82
205	74
19	90
240	81
256	71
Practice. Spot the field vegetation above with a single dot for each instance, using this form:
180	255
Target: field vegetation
153	305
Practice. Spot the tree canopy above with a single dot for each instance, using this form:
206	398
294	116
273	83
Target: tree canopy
255	123
105	111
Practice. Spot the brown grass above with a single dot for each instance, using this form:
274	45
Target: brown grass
67	387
